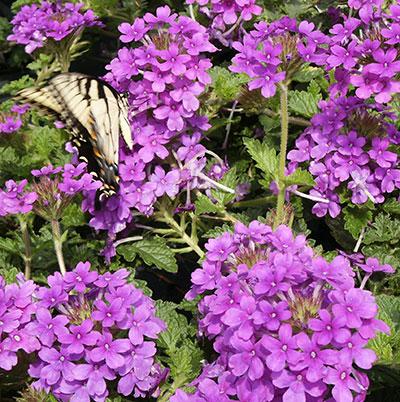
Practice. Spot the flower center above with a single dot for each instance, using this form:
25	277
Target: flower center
284	348
343	375
313	354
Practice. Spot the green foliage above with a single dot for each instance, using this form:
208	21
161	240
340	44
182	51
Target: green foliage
181	354
387	347
153	252
300	177
356	218
227	85
305	103
14	86
229	180
265	158
204	205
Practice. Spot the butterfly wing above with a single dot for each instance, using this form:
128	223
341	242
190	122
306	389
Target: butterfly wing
95	114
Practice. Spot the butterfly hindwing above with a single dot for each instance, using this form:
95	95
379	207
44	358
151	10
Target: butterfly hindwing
95	114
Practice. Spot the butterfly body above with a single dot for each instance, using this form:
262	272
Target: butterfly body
96	115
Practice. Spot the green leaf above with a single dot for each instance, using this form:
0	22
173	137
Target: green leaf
356	219
229	180
384	229
227	85
265	158
307	73
204	205
186	361
177	326
153	252
300	177
392	206
304	103
218	231
73	216
269	123
9	273
13	86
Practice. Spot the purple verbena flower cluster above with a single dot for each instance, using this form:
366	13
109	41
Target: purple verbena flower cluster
14	199
272	52
163	73
95	329
348	148
287	324
226	13
11	122
35	25
56	187
363	51
17	307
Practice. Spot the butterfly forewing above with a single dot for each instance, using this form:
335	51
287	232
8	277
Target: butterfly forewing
95	114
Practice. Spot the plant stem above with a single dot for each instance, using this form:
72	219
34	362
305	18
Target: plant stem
28	247
55	227
282	155
190	241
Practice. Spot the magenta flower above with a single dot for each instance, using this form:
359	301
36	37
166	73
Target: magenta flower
80	277
247	358
282	350
110	350
328	328
372	265
109	314
48	327
342	381
81	335
297	386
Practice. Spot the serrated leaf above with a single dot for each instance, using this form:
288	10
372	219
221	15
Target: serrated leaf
229	180
355	219
269	123
307	73
73	216
227	85
205	205
392	206
384	229
154	252
300	177
186	361
265	158
304	103
218	231
177	326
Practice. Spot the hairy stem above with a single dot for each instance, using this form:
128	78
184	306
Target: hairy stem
27	248
189	240
282	156
55	227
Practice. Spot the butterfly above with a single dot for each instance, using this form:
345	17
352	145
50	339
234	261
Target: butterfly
96	115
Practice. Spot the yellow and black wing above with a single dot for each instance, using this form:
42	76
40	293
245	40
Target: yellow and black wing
96	115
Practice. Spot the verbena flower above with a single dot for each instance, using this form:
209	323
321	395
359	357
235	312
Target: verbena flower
225	15
285	323
17	307
348	151
35	25
273	52
12	121
82	323
163	69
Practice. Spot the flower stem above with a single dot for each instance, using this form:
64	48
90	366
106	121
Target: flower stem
282	156
55	227
28	247
189	240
